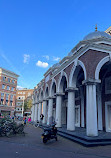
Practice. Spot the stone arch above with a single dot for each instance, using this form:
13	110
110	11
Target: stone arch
41	94
46	94
99	66
37	97
51	92
63	74
74	72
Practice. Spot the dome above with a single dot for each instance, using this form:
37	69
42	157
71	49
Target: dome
56	65
96	34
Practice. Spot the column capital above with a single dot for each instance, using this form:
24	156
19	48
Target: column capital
59	94
40	101
71	89
91	82
51	97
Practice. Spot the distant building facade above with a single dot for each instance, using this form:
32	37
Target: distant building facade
76	92
8	85
22	96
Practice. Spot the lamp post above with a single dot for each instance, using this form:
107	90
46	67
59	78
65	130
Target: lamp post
23	107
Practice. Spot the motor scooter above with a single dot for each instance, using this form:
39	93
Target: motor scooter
49	133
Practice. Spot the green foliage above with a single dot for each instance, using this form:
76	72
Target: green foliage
27	104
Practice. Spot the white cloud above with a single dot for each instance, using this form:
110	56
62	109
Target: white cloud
46	56
42	64
20	87
56	58
26	58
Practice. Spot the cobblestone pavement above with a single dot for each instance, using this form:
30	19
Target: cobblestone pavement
31	143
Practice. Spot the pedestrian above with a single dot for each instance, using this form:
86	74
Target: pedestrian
13	118
41	117
29	119
25	121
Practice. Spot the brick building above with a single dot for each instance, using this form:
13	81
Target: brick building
22	96
8	84
76	92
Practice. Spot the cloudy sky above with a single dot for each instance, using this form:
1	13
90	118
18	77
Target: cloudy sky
35	34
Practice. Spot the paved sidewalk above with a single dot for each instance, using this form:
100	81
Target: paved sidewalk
63	147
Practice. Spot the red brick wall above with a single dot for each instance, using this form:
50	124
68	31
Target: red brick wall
57	78
90	59
67	70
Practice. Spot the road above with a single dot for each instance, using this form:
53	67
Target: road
31	146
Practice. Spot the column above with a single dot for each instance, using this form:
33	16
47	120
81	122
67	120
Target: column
91	109
35	113
39	110
99	103
82	107
58	109
38	115
71	109
50	109
31	111
44	110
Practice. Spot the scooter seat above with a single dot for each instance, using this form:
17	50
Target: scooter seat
47	129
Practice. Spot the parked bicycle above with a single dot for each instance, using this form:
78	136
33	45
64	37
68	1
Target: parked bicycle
9	127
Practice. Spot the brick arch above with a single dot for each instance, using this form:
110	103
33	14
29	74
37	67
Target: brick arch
67	70
53	81
91	59
60	78
40	96
46	86
74	72
99	66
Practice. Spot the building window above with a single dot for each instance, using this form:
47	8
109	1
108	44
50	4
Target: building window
11	103
23	92
3	86
6	102
18	104
8	79
19	98
11	97
2	100
2	95
7	95
4	78
13	81
23	97
8	87
12	89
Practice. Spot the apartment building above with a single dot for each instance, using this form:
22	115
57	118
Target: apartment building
22	96
8	84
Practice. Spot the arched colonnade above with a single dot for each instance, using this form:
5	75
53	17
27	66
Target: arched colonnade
75	100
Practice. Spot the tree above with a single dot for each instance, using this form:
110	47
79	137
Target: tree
25	105
29	104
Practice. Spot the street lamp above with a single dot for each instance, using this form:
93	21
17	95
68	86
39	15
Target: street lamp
23	107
